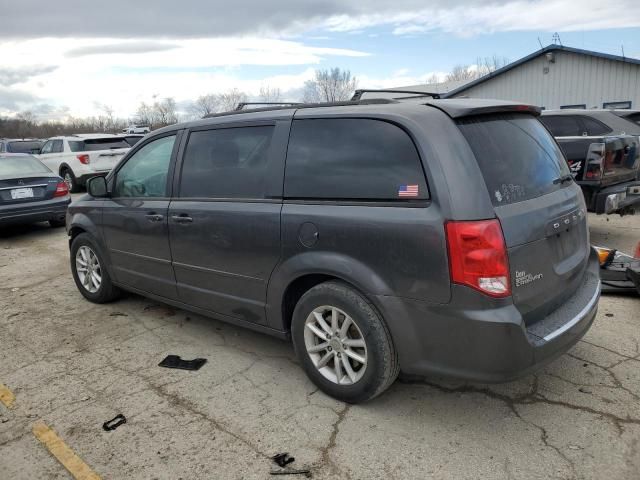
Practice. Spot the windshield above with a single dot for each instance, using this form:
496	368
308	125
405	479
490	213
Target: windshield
24	146
20	166
518	157
94	144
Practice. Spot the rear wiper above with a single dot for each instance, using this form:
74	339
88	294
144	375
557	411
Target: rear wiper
565	178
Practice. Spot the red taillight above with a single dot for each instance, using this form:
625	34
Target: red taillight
84	158
61	190
478	256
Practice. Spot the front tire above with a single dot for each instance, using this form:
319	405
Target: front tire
343	343
89	271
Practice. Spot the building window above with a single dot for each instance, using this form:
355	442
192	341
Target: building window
617	105
582	106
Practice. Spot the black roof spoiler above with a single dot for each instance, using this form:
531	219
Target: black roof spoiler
466	107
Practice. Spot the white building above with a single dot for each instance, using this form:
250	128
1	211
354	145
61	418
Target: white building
560	77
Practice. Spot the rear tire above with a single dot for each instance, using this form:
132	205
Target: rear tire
89	271
70	179
354	364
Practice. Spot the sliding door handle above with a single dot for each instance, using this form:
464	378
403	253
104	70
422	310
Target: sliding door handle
154	217
182	218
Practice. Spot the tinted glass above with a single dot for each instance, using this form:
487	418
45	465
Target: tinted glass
562	125
518	158
145	173
595	127
226	163
358	159
132	140
97	144
21	166
24	147
635	118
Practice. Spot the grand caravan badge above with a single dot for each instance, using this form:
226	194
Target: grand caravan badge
524	278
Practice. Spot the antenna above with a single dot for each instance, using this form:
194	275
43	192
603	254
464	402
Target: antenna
556	39
541	47
622	47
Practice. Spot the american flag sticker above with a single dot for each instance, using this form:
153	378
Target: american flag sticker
408	191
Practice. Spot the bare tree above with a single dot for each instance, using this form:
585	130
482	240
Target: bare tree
230	99
487	65
205	105
144	114
432	79
333	85
483	66
461	72
165	111
270	94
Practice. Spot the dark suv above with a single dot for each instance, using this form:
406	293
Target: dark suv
434	237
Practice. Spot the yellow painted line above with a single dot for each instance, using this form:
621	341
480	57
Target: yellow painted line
6	396
67	457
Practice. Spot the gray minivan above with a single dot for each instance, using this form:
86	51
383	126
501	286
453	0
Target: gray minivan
440	237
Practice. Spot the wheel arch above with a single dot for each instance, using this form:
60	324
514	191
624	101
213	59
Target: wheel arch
65	166
300	273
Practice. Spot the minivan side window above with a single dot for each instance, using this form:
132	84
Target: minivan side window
226	163
145	173
352	159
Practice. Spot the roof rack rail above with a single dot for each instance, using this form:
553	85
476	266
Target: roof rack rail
279	106
411	93
241	105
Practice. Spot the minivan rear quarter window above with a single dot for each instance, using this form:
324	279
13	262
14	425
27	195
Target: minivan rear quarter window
352	159
518	157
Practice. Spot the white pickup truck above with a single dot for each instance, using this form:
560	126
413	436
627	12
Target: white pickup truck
77	158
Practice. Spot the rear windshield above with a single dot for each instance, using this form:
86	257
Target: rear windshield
21	166
634	117
24	146
132	140
91	145
518	157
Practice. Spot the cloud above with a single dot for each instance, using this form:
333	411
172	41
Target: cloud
120	48
13	99
14	75
278	18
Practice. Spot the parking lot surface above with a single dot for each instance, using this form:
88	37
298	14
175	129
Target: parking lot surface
74	365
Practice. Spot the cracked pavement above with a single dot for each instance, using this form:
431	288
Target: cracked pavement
75	365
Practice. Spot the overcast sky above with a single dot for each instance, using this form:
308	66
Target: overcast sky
72	57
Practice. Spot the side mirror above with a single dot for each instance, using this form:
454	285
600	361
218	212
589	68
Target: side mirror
97	187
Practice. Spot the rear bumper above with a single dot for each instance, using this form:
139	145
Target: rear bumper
617	197
480	339
42	211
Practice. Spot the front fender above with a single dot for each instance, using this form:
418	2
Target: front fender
79	217
337	265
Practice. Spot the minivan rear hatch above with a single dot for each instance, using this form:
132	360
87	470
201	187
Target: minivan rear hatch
540	208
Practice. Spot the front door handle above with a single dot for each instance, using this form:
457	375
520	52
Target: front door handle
154	217
182	218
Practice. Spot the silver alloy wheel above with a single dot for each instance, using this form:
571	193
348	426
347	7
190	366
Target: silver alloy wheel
335	345
88	269
68	180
